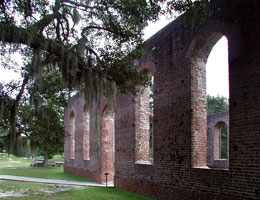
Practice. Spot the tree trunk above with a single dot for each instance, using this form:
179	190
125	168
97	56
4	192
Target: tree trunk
45	161
32	148
13	112
1	109
12	128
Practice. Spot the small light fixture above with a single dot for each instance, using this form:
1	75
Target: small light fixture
106	174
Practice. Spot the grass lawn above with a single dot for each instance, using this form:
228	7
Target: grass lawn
28	191
21	167
13	161
15	189
42	172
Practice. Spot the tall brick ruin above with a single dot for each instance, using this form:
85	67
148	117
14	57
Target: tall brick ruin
181	166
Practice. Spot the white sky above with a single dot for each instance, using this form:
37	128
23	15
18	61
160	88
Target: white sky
8	75
217	65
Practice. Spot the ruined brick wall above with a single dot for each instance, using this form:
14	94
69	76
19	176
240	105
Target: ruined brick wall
176	56
179	53
94	139
214	122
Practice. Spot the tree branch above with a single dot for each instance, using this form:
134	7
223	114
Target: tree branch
14	34
41	24
99	28
77	4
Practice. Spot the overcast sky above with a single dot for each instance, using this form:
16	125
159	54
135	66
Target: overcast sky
217	65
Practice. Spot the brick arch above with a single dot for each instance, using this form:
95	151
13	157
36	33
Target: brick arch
202	45
198	53
219	124
107	104
217	138
107	142
208	35
72	132
85	133
103	107
143	126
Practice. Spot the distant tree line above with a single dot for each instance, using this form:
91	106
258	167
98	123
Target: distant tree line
217	104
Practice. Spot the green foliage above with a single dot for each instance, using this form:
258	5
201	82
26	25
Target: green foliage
5	105
217	104
91	43
46	130
39	121
95	36
108	31
23	148
47	101
224	139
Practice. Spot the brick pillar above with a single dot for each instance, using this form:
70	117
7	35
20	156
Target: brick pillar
107	145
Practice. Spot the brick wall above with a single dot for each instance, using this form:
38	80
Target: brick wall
179	53
142	127
176	56
91	161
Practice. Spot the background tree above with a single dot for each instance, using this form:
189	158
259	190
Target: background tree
92	42
45	130
49	91
42	116
217	104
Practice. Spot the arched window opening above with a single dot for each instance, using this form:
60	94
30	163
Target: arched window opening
151	93
218	137
209	82
217	70
86	133
144	126
108	144
72	125
220	141
223	141
217	85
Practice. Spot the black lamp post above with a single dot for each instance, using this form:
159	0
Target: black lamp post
106	174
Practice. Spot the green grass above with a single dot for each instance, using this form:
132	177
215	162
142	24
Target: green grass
59	158
31	190
39	192
52	192
102	193
21	167
13	161
42	172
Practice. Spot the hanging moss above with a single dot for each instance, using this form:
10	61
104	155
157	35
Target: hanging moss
92	83
1	109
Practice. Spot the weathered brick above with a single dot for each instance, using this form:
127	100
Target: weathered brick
177	55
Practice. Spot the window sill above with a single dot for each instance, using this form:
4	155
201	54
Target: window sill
144	162
211	168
